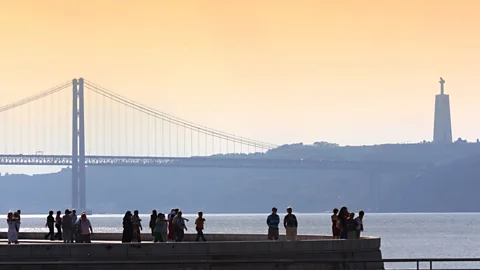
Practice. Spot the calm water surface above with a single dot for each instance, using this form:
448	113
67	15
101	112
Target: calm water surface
416	235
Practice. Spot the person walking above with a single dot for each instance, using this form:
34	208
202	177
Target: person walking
160	228
179	225
291	224
67	227
199	226
272	222
50	225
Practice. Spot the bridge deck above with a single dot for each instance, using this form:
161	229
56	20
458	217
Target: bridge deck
216	162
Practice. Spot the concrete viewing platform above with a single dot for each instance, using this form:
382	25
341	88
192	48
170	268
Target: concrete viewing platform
222	251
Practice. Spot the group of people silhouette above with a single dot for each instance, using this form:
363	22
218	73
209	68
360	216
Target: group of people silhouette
163	228
171	228
345	225
70	229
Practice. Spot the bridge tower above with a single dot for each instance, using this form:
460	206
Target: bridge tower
78	146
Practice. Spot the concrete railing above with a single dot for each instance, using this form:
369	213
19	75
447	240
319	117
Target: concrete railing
188	237
224	249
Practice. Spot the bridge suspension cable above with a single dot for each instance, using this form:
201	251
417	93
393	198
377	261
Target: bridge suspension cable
35	97
177	121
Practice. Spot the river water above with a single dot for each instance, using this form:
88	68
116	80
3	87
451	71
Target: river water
406	235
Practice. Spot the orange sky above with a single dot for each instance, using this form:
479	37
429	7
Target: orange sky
351	72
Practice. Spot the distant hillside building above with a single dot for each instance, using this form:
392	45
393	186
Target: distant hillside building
442	130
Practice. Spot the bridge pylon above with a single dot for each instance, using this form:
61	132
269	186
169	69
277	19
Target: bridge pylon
78	146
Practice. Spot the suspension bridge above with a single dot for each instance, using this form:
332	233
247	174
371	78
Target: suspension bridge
50	128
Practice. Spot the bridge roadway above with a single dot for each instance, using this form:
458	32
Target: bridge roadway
215	162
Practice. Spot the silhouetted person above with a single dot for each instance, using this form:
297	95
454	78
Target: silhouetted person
12	233
199	226
67	226
351	226
180	228
342	219
161	225
291	224
137	227
84	229
58	225
171	227
50	225
127	235
336	231
359	221
74	226
272	222
18	219
153	219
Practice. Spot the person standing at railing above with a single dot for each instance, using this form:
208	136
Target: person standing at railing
17	219
137	227
67	227
342	220
84	229
12	229
153	219
74	228
291	224
58	225
127	235
335	224
351	226
359	221
272	222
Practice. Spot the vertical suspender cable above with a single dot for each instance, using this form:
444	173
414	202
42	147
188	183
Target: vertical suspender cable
134	131
161	139
184	141
155	134
110	113
104	123
178	153
148	134
170	137
126	131
118	128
